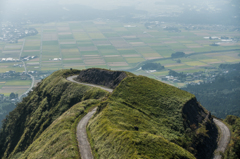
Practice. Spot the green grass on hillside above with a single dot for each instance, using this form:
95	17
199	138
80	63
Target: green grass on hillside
232	151
59	139
140	119
49	100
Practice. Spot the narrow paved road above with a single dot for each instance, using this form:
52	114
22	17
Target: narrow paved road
25	68
33	81
83	144
224	138
87	84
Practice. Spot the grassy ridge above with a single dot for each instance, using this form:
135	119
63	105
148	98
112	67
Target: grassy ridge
49	100
140	120
59	139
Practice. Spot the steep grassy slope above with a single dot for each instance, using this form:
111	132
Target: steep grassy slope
49	100
59	139
233	150
143	118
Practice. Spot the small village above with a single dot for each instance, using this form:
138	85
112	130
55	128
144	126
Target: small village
196	78
13	99
12	75
16	76
175	27
25	58
12	33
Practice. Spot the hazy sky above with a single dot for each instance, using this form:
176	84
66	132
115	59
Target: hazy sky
99	4
148	5
156	7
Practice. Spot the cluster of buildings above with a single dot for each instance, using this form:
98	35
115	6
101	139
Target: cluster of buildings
12	75
8	99
11	33
27	58
17	65
171	78
171	29
55	59
210	27
222	40
9	59
152	24
176	27
195	78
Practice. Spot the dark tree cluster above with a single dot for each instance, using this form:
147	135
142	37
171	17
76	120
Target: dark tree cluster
181	76
152	66
5	108
230	66
178	55
178	61
13	96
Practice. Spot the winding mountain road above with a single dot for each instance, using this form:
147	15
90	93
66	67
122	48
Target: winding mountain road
33	81
71	78
25	68
224	138
83	144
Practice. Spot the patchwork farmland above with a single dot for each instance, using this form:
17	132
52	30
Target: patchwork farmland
115	45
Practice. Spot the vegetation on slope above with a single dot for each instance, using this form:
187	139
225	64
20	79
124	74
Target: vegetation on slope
233	150
143	119
5	108
59	139
49	100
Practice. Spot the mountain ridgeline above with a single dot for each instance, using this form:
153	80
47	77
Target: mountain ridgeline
141	118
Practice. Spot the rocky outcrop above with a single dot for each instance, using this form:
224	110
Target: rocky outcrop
193	113
204	140
102	77
206	144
